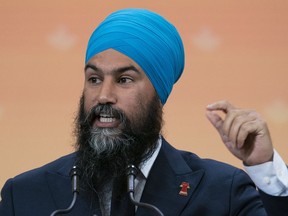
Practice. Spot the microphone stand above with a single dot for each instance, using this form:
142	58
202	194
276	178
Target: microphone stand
75	190
132	173
67	210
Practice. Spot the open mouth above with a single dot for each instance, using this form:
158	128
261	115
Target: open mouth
105	116
104	120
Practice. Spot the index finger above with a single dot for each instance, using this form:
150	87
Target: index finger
223	105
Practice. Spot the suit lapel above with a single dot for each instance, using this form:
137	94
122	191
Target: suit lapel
163	185
60	188
59	184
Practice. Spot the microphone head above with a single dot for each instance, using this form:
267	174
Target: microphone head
75	171
132	170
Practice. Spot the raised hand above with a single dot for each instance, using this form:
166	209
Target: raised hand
243	131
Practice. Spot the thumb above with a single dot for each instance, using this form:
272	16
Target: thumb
215	120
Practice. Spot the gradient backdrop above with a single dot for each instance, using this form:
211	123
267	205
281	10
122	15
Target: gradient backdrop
235	50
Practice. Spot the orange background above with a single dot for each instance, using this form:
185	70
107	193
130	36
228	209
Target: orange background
235	50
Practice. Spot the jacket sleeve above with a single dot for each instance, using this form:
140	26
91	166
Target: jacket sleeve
6	203
275	205
245	200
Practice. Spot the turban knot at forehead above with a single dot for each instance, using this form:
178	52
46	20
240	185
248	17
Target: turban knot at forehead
147	38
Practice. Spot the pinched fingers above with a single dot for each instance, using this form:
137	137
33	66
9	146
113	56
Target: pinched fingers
236	125
243	132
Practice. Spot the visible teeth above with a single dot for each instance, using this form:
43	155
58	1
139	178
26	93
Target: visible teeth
105	119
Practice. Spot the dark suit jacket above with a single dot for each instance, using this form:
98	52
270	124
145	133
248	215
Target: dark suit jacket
214	189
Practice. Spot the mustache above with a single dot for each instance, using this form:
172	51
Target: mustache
104	109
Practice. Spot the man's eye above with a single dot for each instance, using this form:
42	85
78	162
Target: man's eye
93	80
125	80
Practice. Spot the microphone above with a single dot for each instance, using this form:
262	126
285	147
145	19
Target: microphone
75	175
132	172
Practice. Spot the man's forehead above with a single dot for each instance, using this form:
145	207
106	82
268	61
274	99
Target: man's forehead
112	60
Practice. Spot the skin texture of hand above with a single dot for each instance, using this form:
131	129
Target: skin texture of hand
243	131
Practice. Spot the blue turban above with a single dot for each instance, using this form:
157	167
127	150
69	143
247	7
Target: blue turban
147	38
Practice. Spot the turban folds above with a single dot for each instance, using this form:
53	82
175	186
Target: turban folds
147	38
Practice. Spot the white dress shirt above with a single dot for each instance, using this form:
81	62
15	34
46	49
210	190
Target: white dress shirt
270	177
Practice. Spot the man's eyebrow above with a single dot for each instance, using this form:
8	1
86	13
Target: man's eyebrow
117	70
93	67
127	68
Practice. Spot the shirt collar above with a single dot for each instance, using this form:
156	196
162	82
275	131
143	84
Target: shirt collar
147	165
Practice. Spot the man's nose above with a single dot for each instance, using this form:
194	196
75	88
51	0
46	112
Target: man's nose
107	93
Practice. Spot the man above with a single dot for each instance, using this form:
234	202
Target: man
133	59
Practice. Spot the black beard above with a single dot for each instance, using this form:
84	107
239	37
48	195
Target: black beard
104	154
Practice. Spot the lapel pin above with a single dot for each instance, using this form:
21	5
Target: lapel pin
184	189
